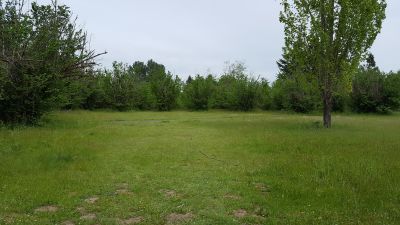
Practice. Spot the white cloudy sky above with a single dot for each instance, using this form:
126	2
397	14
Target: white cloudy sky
198	36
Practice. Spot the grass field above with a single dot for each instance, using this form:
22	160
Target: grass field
201	168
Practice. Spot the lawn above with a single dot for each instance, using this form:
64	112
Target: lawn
201	168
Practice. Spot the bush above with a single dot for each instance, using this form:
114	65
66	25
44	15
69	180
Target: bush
76	92
236	90
131	87
42	54
295	95
391	91
340	102
99	86
265	95
198	92
376	92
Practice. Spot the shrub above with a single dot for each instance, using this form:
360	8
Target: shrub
235	89
368	91
391	91
264	96
197	92
42	52
295	95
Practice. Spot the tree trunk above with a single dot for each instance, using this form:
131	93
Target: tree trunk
327	97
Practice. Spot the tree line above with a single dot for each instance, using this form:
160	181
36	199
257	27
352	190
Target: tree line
371	91
147	86
46	64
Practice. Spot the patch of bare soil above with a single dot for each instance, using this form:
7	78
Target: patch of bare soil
92	200
68	222
233	197
170	193
123	185
123	189
8	219
133	220
123	192
262	187
85	215
81	210
48	208
90	216
176	218
240	213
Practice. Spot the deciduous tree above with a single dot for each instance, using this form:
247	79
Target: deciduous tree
326	39
40	49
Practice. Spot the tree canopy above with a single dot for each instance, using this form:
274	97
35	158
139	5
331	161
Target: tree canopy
46	64
325	40
40	49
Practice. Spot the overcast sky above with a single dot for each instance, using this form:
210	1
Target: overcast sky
197	36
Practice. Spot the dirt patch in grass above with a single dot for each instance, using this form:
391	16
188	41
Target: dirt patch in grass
170	193
89	216
257	214
233	197
176	218
8	219
92	200
123	192
123	189
85	215
123	185
133	220
240	213
263	188
81	210
68	222
47	209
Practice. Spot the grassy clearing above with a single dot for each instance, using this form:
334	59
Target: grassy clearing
201	168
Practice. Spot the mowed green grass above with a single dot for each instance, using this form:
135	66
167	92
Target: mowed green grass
212	167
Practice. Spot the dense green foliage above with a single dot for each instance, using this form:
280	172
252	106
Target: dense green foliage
279	168
198	93
148	86
233	90
295	95
45	64
374	91
138	86
236	90
41	53
326	39
165	87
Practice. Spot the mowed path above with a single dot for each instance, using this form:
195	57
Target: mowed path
201	168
